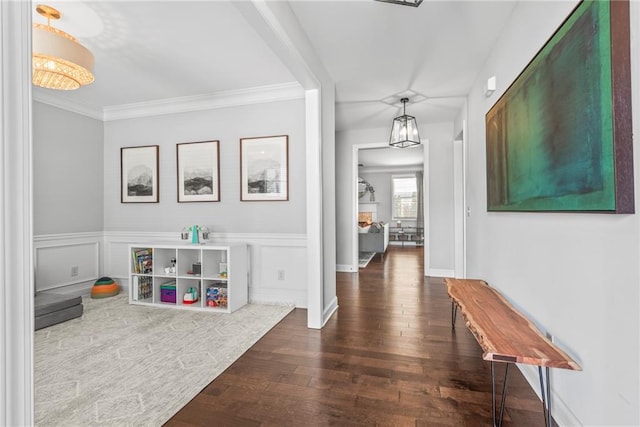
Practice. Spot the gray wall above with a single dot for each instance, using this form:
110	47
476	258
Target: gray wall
575	275
440	201
227	125
381	182
68	173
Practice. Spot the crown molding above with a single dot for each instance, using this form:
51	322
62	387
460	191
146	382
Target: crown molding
231	98
392	169
55	101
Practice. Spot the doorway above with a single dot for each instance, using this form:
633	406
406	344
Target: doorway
377	163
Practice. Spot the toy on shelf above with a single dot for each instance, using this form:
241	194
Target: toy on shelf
172	268
191	297
195	233
217	296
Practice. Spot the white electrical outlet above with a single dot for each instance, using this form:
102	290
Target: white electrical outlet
280	274
74	271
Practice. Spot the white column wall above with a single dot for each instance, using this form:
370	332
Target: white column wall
16	216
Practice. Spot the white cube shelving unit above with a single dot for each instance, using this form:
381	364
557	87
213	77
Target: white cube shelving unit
221	283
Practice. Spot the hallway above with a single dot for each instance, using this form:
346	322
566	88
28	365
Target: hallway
387	357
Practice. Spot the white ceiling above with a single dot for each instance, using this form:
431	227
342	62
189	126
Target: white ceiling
376	52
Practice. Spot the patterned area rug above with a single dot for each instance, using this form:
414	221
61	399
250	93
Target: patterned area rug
365	258
124	364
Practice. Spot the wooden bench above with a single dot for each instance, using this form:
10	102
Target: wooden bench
505	335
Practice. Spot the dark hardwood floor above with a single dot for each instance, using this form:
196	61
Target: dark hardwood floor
388	357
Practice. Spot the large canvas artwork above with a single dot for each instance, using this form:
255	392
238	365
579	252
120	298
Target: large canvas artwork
559	139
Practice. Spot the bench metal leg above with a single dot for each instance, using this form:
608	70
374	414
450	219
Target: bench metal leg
545	392
454	312
493	394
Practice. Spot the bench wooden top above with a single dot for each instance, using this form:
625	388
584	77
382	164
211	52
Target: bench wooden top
504	334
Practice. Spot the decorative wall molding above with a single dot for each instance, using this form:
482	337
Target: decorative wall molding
232	98
224	99
48	97
54	264
391	169
277	273
44	240
56	254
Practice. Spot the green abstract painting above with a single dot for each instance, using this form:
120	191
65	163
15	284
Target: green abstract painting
551	138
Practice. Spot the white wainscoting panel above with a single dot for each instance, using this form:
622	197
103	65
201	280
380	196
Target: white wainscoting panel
277	262
281	272
65	260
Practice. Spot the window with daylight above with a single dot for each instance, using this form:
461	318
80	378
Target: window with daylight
405	197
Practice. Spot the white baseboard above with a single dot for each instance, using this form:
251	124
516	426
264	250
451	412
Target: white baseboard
560	412
401	243
329	310
437	272
344	268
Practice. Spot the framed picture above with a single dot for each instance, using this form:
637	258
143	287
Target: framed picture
264	168
198	171
139	174
560	138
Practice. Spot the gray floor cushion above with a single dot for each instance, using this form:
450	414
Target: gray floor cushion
51	309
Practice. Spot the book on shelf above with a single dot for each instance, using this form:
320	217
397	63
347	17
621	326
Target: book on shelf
142	260
143	286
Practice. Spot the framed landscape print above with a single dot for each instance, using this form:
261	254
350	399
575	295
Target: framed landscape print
139	174
560	139
198	171
264	168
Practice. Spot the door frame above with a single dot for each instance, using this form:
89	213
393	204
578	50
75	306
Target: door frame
354	198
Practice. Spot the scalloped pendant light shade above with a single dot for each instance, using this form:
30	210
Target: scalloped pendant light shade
59	61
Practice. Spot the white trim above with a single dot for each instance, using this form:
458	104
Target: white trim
407	170
16	217
330	308
42	238
344	268
560	412
315	264
426	203
465	173
272	239
458	210
355	149
96	244
225	99
47	96
440	272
